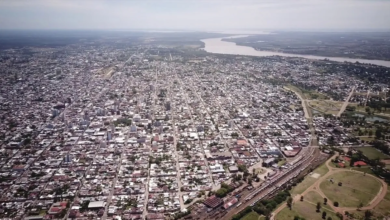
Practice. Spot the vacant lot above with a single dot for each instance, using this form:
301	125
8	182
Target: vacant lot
356	188
373	153
308	181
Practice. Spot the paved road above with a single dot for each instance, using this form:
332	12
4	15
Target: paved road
367	96
303	101
109	198
154	97
178	177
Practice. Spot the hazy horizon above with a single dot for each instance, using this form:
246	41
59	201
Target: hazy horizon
190	15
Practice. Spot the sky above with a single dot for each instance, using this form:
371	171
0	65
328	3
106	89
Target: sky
201	15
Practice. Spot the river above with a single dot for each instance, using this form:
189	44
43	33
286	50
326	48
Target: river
216	45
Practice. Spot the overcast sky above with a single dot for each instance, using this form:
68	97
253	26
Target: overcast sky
196	14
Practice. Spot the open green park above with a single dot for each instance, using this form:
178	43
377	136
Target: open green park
354	192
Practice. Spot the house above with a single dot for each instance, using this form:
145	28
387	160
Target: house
96	205
57	208
233	169
230	203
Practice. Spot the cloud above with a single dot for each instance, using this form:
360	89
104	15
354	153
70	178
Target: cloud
195	14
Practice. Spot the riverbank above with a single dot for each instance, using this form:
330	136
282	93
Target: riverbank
217	45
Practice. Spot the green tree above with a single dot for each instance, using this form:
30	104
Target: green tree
250	181
289	202
378	133
325	201
242	168
318	207
323	214
368	214
221	192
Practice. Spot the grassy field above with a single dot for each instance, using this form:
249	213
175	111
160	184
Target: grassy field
309	94
387	195
366	169
308	181
356	188
313	197
251	216
383	208
373	153
326	106
305	210
367	139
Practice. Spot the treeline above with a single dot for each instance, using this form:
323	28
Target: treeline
380	145
378	105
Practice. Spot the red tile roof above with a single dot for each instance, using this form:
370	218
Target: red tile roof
55	210
347	158
230	203
361	163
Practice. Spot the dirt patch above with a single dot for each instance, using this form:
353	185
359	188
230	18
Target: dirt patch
315	175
